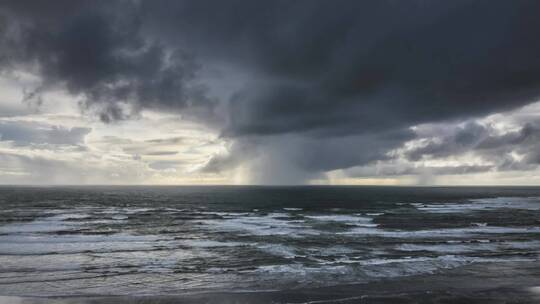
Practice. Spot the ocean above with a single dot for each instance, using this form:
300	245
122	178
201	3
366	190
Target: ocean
303	244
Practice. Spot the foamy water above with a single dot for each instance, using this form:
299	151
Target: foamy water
156	242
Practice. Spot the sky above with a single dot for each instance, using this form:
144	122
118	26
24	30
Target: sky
379	92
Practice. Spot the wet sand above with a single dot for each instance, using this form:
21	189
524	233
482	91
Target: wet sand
498	285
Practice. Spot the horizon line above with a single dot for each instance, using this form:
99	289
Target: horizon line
260	185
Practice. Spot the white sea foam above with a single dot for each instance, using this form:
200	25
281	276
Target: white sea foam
300	269
469	247
448	248
56	223
356	220
38	236
226	214
328	256
523	203
78	243
359	270
363	269
48	224
137	210
384	261
76	238
270	224
119	217
285	251
330	251
211	243
437	233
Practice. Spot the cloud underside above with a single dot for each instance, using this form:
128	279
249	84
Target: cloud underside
297	88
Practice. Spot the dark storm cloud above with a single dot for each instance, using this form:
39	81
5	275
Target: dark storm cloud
348	151
344	79
359	66
344	64
341	69
95	50
293	159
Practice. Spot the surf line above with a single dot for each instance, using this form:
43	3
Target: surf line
331	301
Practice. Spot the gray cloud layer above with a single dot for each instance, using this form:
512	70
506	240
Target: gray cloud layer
327	84
362	66
484	141
94	49
31	133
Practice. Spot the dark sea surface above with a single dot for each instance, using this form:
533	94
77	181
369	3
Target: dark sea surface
271	244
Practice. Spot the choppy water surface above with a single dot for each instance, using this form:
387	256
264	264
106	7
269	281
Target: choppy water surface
173	240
